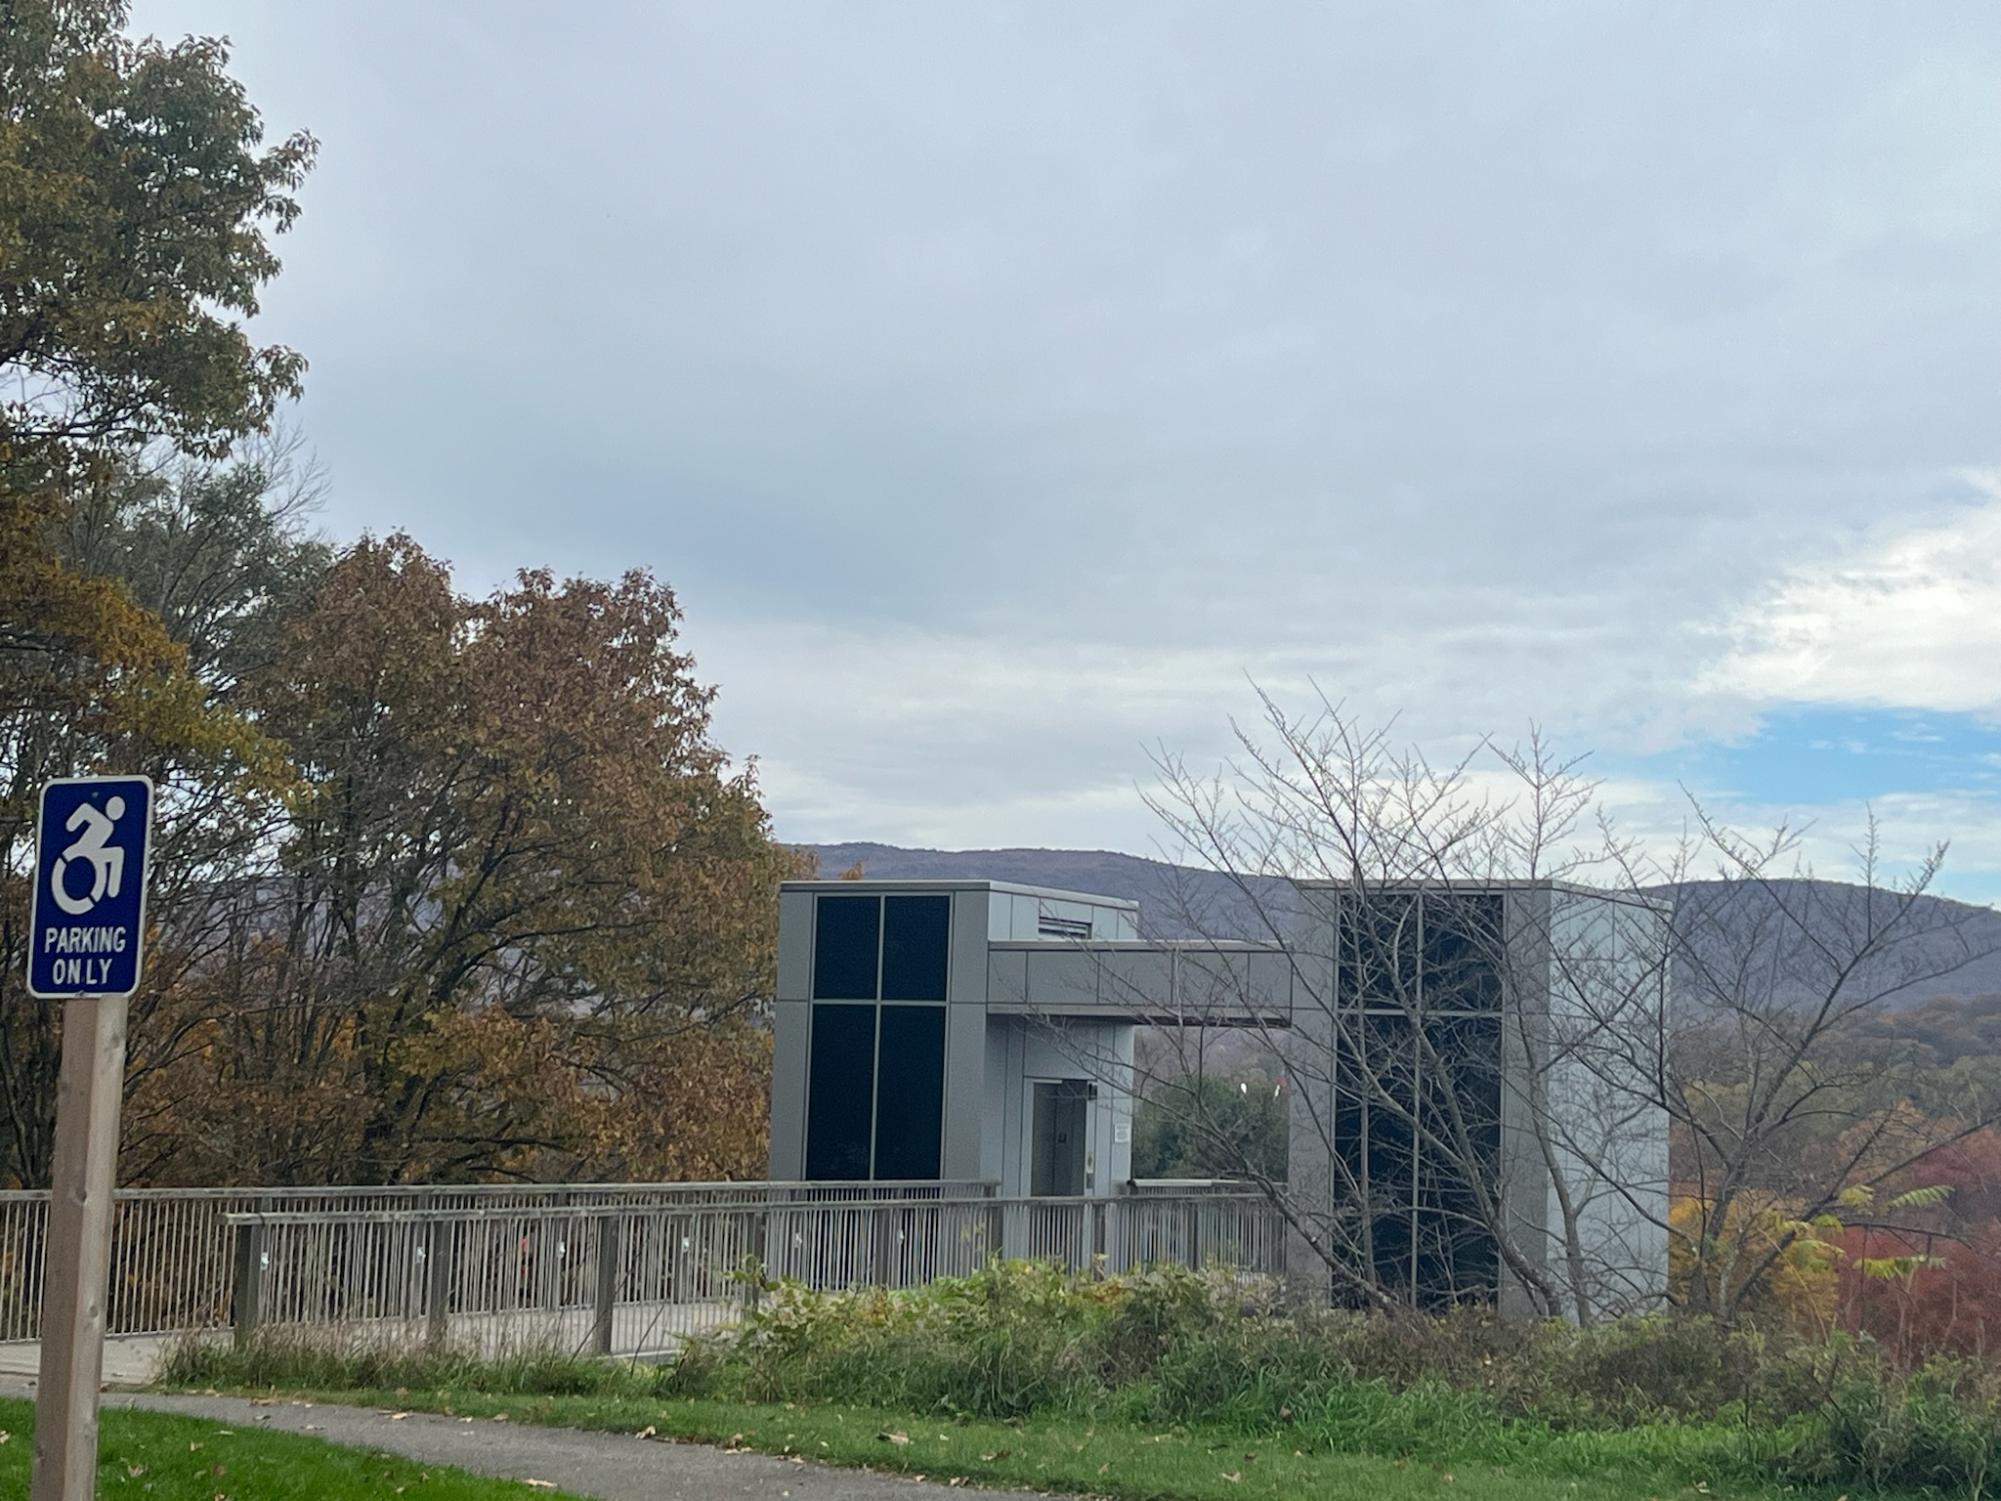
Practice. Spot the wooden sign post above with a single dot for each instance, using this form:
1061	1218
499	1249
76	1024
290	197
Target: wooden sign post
87	933
85	1173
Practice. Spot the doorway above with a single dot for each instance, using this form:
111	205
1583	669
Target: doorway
1059	1160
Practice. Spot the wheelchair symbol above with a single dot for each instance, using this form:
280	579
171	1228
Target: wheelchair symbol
107	860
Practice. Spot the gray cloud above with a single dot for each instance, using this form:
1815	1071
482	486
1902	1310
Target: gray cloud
1475	360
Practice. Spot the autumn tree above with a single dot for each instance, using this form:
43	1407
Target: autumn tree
1783	1090
523	914
135	206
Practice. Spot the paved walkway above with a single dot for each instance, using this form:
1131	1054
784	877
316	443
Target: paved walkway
642	1329
127	1362
614	1467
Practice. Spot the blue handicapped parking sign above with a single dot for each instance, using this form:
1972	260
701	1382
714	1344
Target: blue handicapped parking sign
89	912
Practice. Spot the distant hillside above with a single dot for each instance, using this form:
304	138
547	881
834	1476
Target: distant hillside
1165	893
1962	961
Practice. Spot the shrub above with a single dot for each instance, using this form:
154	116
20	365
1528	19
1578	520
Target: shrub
1939	1425
1645	1397
1650	1396
1013	1338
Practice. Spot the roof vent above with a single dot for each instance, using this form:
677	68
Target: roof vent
1051	926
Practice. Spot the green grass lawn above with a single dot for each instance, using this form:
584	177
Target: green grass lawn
1060	1454
166	1458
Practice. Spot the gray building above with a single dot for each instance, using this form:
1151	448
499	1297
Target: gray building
1468	1065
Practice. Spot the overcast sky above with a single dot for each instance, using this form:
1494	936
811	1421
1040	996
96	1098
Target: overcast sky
1002	387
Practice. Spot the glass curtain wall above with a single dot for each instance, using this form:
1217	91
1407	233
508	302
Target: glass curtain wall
875	1091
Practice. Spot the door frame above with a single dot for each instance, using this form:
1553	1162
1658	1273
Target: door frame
1088	1088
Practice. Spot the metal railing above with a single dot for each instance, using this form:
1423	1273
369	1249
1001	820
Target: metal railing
635	1278
174	1255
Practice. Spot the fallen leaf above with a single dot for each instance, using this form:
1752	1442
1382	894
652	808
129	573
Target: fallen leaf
540	1485
894	1438
1233	1476
646	1432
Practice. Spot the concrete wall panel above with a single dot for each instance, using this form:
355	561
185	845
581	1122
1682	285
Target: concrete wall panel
967	982
1007	977
1062	977
790	1027
1142	979
795	946
965	1092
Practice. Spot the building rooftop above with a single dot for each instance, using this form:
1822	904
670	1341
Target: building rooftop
1012	888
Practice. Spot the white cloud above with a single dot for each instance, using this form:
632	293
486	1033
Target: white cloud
1908	618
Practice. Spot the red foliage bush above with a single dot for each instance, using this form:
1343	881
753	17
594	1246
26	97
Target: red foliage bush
1953	1307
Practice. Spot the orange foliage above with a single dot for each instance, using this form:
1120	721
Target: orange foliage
1952	1307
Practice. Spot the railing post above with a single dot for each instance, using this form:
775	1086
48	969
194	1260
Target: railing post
606	1304
1194	1235
552	1250
879	1228
249	1281
760	1234
438	1249
1094	1237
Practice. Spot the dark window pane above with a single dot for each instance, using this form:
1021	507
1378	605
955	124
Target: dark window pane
1468	1054
840	1092
1456	1253
1351	1095
1458	1259
844	948
915	935
1462	953
910	1102
1352	1091
1378	951
1390	1157
1390	1248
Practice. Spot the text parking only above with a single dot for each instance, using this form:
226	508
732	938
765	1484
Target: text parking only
89	910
